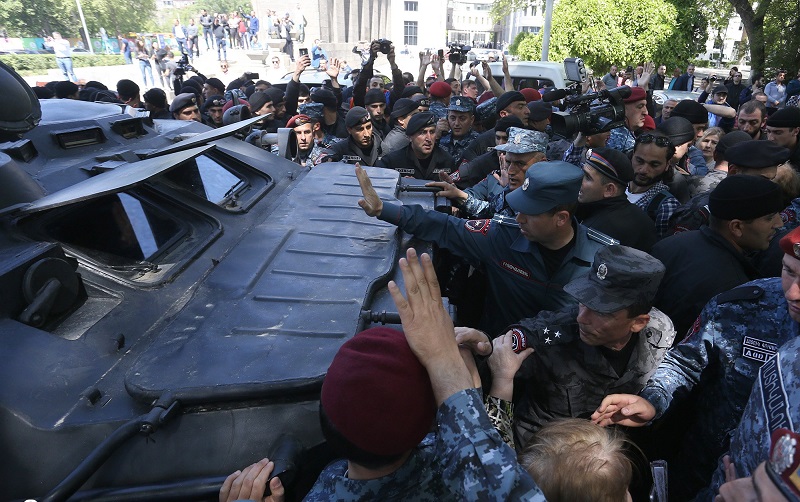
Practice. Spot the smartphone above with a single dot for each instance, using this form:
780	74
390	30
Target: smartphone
441	54
303	51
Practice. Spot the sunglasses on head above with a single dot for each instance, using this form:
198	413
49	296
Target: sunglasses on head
217	102
660	141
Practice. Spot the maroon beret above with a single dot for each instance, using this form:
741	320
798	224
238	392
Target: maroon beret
790	243
637	94
377	394
440	89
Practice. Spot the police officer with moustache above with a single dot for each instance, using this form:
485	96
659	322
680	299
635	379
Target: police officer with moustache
527	262
523	149
566	361
184	107
718	362
603	205
397	139
422	158
363	146
459	120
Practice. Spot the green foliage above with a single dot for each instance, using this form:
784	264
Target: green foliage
38	64
606	32
782	36
513	47
502	8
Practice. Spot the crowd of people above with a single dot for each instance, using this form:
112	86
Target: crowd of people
645	277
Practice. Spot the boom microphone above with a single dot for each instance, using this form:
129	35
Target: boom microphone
555	95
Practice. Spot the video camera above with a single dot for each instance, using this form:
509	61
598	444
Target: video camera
458	54
183	66
590	113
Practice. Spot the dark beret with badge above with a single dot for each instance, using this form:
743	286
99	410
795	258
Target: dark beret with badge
620	277
356	115
785	117
422	101
181	101
741	197
755	154
549	185
420	121
211	102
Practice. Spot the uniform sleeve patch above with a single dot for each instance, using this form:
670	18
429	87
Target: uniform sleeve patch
478	226
774	399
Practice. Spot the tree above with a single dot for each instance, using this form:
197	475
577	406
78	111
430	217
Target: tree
606	32
782	36
38	17
753	21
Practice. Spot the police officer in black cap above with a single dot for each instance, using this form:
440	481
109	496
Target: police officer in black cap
184	107
744	216
422	158
363	146
375	103
508	103
333	121
603	205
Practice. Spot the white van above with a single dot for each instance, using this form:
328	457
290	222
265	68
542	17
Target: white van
545	72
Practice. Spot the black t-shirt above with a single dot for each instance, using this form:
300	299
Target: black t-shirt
618	359
553	258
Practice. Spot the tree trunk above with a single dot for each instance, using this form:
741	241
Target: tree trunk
753	22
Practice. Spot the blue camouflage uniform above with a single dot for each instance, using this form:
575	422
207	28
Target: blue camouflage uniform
734	335
774	403
621	139
456	147
518	282
464	459
486	199
438	109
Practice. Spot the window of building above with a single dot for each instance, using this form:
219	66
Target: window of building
533	10
410	32
411	6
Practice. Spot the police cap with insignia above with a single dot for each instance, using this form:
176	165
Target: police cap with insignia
620	277
461	104
742	197
181	101
755	154
377	394
374	96
355	116
505	100
790	243
313	110
549	185
524	141
420	121
783	465
611	163
785	117
540	110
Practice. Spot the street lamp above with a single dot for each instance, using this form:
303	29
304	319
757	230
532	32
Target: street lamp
85	29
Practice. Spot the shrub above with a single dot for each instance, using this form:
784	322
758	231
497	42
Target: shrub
38	64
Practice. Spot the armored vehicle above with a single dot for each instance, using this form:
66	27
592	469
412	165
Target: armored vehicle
171	298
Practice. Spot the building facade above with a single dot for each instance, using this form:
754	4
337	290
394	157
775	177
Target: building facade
418	25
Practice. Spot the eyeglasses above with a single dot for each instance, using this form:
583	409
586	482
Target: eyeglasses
660	141
216	102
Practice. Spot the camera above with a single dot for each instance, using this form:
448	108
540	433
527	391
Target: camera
458	53
183	66
386	45
575	69
590	113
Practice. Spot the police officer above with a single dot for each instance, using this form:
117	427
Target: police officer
375	103
523	149
471	172
212	111
613	339
703	263
315	112
459	120
735	334
304	130
508	103
440	97
422	158
527	262
363	146
184	107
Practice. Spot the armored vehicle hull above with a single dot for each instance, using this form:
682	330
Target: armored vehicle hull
177	302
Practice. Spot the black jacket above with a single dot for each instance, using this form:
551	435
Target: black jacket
474	171
700	265
619	218
347	151
479	145
406	163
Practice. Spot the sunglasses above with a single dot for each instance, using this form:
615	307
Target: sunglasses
660	141
217	102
